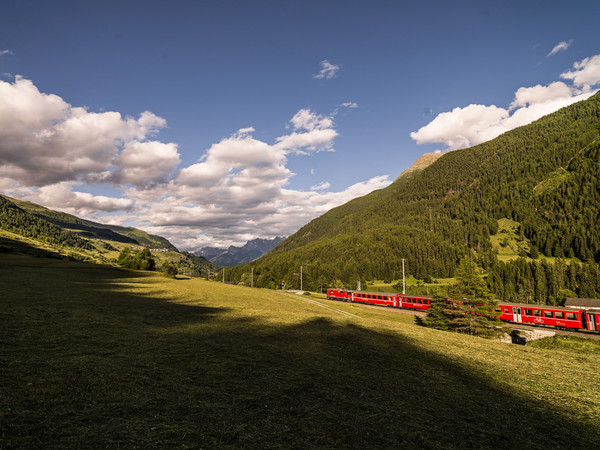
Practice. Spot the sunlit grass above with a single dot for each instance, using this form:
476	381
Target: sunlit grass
94	356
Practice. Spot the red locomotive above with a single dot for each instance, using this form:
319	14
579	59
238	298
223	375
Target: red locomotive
560	317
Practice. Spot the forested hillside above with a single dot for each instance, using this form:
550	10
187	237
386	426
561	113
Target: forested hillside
28	227
89	229
544	176
21	222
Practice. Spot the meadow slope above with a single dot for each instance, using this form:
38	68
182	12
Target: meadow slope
95	356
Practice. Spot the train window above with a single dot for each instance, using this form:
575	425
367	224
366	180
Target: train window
571	316
379	297
385	297
528	312
547	313
559	315
537	312
420	301
498	309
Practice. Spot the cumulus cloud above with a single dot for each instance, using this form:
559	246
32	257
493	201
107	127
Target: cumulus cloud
52	152
541	94
474	124
560	47
281	216
328	71
586	73
462	127
238	189
145	163
44	140
82	204
313	132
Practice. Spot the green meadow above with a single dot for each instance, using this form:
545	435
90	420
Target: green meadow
94	356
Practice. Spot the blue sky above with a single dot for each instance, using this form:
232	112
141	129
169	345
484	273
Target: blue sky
214	122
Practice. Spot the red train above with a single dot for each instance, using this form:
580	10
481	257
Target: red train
567	318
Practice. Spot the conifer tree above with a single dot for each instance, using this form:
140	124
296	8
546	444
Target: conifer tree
473	303
470	307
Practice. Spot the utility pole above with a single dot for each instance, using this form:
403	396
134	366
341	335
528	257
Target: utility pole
403	279
224	274
252	278
300	277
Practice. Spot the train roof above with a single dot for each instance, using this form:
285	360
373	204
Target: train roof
375	292
583	302
535	306
390	293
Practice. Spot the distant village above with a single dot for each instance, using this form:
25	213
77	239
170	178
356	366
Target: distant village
153	250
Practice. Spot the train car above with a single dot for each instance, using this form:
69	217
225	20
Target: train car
344	295
592	320
419	303
376	298
555	316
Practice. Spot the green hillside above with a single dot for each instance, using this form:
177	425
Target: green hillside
16	220
26	227
543	176
87	228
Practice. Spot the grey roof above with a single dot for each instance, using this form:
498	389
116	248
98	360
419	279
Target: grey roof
583	302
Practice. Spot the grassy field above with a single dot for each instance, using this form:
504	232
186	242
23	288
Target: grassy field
94	356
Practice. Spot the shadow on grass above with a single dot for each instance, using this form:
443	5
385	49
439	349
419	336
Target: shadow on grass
88	365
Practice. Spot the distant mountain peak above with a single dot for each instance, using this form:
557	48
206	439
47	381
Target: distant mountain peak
233	255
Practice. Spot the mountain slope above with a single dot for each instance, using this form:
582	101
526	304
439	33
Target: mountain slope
18	221
434	216
31	228
89	229
233	255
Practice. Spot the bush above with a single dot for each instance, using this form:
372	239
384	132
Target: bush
169	270
140	259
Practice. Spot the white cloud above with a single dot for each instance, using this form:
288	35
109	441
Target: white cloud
236	191
586	73
350	105
319	134
82	204
290	211
5	52
560	47
321	186
462	127
474	124
328	71
541	94
307	120
145	163
44	140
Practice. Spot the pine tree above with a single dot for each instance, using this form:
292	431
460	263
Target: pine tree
470	308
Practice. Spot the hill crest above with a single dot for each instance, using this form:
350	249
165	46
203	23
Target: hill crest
424	161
